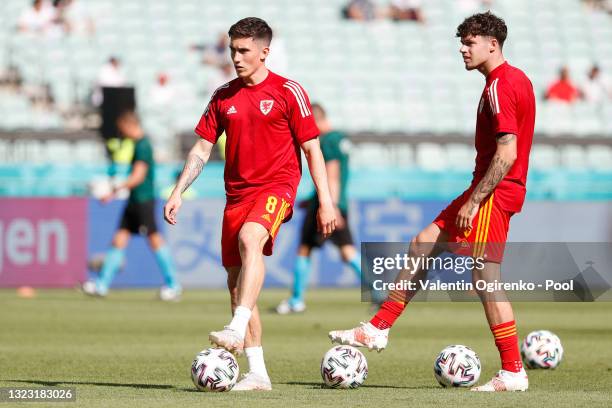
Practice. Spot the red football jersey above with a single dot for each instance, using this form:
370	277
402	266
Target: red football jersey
507	105
265	125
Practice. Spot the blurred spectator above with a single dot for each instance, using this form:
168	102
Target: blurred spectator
55	18
41	96
110	75
597	88
406	10
73	17
604	5
360	10
215	54
11	78
40	18
162	94
61	8
562	90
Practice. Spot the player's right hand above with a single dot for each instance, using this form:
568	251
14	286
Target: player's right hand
326	220
339	219
171	208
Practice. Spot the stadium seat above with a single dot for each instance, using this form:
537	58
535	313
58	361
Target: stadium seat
374	76
90	151
431	156
460	156
369	155
599	157
58	151
573	157
544	157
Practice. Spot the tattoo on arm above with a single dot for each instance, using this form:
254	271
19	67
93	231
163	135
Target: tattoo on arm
193	168
496	172
506	138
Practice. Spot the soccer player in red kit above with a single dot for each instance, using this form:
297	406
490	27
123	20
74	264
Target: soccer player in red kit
478	220
267	120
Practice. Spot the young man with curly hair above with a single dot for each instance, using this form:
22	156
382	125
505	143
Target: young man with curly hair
476	223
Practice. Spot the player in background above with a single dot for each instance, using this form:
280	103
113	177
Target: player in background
334	146
479	218
267	120
138	216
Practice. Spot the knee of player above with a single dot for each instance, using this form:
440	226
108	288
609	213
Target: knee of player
476	277
348	252
304	250
248	241
120	240
156	240
416	246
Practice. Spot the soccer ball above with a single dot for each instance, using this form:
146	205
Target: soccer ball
344	367
457	366
214	370
542	349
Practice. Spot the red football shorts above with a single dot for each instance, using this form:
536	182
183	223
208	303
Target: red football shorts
487	236
268	209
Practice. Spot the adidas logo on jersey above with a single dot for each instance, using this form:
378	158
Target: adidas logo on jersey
231	110
267	217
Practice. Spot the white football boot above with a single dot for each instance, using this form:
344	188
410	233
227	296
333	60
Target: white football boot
365	335
168	294
228	339
505	381
286	307
253	382
90	288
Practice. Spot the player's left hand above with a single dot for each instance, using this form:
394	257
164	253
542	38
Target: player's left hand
171	208
326	220
466	215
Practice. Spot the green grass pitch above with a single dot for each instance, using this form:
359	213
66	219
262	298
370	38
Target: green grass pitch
130	350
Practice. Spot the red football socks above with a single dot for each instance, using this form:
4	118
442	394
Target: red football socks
387	314
506	340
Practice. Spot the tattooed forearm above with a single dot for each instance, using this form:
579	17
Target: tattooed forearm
500	165
506	139
193	168
498	168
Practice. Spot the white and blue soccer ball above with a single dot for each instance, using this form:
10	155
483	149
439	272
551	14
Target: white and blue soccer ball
457	366
344	367
214	370
542	349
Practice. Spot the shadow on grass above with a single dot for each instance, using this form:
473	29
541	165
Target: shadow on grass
101	384
316	385
310	385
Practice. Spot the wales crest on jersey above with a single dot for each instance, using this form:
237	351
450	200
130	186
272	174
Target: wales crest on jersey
266	106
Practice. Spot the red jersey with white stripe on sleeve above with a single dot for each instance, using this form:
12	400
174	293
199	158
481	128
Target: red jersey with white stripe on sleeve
265	125
507	105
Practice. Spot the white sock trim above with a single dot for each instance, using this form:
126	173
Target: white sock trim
240	321
256	361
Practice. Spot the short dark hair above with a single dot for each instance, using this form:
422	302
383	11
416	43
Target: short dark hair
127	114
253	27
486	24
